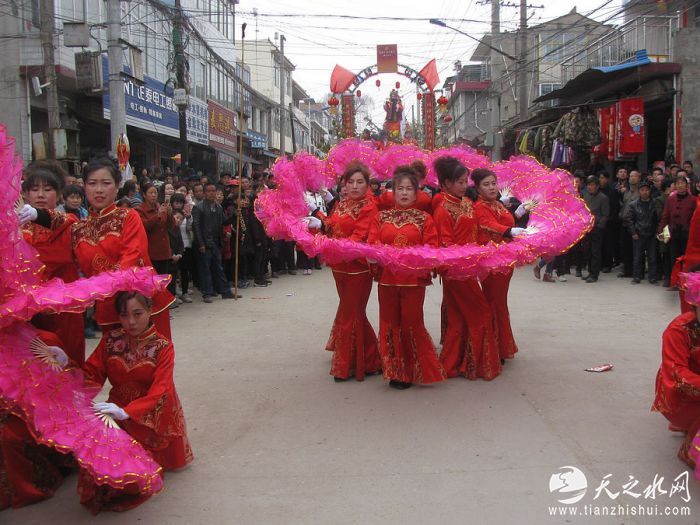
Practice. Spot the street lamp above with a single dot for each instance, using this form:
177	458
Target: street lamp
308	101
437	22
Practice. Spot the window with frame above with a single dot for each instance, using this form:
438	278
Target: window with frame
546	88
75	10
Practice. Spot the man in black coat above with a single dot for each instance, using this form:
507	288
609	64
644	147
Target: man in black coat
641	222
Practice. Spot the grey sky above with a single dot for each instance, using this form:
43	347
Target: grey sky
315	45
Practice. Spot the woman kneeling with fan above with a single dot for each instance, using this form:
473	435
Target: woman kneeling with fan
138	362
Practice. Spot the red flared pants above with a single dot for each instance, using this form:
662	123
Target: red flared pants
353	341
470	348
408	353
28	471
495	288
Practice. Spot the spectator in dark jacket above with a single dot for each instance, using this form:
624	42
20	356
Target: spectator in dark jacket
178	249
611	236
600	208
208	229
641	223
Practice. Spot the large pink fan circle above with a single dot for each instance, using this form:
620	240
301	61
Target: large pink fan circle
559	221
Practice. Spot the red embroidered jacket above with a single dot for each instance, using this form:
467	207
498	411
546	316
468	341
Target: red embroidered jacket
402	227
494	221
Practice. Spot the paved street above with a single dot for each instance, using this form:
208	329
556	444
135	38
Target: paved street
278	442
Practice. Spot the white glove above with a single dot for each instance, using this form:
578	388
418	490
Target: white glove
313	223
520	211
27	214
58	354
327	196
111	409
506	194
311	203
515	232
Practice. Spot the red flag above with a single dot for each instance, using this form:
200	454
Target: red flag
430	74
341	79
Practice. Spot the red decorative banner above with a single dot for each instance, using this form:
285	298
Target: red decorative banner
429	120
223	127
387	58
348	116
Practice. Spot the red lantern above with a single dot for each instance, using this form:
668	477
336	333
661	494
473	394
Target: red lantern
442	101
448	118
419	96
333	103
377	83
358	93
398	85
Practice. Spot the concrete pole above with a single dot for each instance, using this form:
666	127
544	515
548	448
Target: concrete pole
117	119
47	41
523	101
283	106
495	80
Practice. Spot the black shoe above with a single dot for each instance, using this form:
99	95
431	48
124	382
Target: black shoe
579	274
207	299
228	295
319	267
503	362
623	275
375	373
268	281
606	270
591	279
260	284
340	379
399	385
635	281
275	275
654	281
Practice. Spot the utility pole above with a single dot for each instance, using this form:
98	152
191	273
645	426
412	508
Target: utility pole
283	107
47	29
495	80
181	77
117	104
523	101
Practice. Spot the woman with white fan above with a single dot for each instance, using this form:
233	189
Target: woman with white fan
138	361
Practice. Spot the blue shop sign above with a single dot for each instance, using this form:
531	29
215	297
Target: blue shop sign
149	105
257	140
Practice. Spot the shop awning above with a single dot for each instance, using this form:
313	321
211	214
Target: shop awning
597	83
268	153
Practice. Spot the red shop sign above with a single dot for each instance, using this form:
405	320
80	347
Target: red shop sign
223	127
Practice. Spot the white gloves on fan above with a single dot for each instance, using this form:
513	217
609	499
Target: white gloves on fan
520	211
506	194
112	410
27	214
313	223
515	232
58	354
327	196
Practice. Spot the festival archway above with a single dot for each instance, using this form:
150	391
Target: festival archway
346	83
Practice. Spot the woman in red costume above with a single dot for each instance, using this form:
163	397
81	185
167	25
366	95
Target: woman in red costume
352	340
408	353
470	347
678	379
424	201
138	362
111	238
691	258
495	224
29	472
41	188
